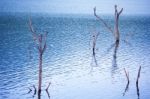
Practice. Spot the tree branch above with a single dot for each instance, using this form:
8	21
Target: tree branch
35	36
127	75
100	19
120	11
137	80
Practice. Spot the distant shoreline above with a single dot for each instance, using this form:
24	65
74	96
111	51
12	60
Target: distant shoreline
68	14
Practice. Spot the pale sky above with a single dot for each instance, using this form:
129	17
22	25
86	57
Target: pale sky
75	6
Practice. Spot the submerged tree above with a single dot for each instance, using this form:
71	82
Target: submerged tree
40	41
94	42
115	32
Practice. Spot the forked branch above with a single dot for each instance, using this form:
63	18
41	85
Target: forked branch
47	90
116	11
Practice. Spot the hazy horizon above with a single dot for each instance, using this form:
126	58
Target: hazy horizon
75	7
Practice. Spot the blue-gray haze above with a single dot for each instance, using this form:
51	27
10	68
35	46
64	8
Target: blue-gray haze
75	6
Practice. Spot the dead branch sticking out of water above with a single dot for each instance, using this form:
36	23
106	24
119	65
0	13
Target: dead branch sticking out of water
48	86
94	37
128	81
137	82
115	32
40	41
116	27
94	42
101	20
47	90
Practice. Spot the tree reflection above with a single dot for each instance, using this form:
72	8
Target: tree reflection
114	61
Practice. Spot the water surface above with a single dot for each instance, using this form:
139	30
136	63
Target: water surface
68	63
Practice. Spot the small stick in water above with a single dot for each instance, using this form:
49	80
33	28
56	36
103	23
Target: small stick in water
48	86
95	37
127	86
47	90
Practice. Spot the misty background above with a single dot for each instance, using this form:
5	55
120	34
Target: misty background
131	7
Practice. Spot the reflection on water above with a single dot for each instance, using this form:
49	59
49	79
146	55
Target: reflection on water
114	62
137	83
95	60
67	62
126	88
34	91
138	92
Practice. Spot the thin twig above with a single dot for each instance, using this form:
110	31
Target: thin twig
48	86
120	11
127	85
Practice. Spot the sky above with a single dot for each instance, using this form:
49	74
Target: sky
75	6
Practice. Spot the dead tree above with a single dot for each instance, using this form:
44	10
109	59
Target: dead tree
93	42
115	32
40	41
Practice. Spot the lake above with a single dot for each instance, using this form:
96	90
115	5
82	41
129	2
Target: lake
68	62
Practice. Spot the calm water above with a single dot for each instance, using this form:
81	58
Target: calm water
68	62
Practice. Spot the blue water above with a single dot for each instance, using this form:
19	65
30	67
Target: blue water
68	63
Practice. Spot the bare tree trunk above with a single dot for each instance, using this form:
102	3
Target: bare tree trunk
40	41
40	76
116	30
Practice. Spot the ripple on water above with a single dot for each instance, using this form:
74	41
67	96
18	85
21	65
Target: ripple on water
68	63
